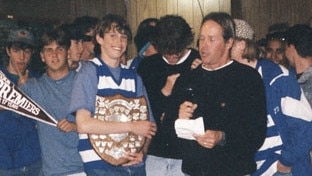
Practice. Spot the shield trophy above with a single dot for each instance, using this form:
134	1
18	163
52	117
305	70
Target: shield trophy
113	147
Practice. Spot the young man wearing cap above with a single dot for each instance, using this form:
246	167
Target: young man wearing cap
19	146
286	148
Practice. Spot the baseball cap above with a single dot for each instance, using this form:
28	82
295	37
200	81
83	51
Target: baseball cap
243	30
21	35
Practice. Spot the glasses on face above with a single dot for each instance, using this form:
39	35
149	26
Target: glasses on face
57	50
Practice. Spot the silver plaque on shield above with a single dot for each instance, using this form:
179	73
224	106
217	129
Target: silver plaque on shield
113	147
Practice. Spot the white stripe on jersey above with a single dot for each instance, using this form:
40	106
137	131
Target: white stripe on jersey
271	142
106	82
89	156
83	136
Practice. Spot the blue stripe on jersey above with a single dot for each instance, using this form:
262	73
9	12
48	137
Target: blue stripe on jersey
107	86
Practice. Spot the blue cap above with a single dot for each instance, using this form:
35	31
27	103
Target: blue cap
21	35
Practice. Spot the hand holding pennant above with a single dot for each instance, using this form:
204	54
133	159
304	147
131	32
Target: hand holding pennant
13	99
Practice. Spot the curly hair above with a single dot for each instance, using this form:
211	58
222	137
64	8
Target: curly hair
174	35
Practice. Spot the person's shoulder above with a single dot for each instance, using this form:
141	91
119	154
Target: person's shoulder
85	66
242	67
152	59
194	52
268	64
244	71
150	62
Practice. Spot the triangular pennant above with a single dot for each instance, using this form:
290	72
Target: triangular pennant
13	99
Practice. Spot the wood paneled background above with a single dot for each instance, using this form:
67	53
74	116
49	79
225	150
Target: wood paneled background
262	13
191	10
259	13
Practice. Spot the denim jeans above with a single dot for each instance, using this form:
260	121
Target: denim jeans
138	170
30	170
156	166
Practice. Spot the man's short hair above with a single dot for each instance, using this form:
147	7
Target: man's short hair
145	33
86	23
300	36
225	21
108	22
55	35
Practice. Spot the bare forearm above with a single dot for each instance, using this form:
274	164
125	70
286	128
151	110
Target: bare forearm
87	124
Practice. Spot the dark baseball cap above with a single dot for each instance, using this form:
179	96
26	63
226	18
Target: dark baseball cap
21	35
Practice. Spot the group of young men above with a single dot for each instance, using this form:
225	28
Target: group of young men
208	113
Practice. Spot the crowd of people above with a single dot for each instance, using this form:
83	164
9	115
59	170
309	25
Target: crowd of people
233	106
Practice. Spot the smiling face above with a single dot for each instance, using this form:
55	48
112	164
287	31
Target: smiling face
214	50
113	45
275	51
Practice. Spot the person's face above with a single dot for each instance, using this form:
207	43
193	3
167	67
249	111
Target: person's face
55	57
275	51
174	58
74	53
237	50
291	54
213	49
18	59
88	47
113	44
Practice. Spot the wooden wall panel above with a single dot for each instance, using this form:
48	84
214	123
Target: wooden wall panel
263	13
134	10
189	9
59	10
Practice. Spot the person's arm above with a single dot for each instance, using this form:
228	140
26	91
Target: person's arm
136	158
211	138
66	126
297	113
87	124
167	89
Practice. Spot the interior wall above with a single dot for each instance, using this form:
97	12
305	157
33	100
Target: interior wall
191	10
260	14
58	11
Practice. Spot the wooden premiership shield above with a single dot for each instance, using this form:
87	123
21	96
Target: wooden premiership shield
113	147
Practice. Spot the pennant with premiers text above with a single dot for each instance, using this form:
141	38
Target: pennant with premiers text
13	99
